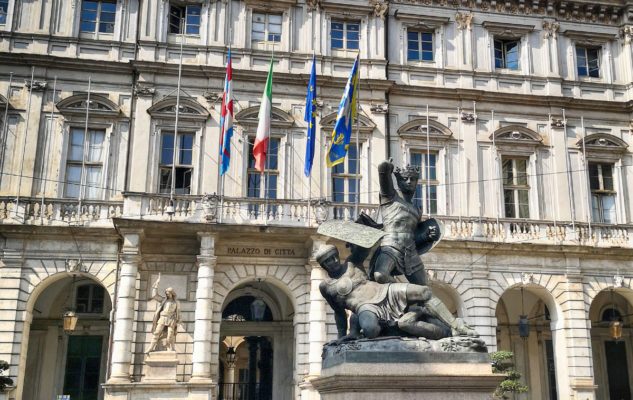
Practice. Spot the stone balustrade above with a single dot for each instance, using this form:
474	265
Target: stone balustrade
58	212
279	212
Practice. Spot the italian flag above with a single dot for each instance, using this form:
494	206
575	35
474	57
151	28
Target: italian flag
263	128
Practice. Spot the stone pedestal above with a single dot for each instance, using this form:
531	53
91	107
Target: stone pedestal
407	369
161	367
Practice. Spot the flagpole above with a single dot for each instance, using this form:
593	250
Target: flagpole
26	131
175	144
553	168
572	210
459	168
82	187
222	176
5	126
307	143
585	165
427	193
45	157
269	141
495	169
357	197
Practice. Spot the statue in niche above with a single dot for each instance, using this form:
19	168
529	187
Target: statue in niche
166	318
390	309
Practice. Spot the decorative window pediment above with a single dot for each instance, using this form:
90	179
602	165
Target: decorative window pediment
416	129
190	110
272	5
603	142
100	106
517	135
591	39
250	117
505	30
421	22
366	127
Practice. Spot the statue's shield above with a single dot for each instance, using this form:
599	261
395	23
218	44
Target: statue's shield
421	229
351	232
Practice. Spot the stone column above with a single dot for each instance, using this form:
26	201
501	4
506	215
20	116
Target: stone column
204	310
317	315
125	297
317	334
253	344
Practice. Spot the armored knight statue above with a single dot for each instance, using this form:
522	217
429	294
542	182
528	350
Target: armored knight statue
405	236
378	307
166	318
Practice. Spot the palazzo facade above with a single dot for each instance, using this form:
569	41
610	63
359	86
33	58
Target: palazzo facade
519	114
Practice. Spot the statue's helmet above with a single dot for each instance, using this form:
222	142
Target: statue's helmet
325	252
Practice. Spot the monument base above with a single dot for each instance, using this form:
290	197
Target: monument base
407	369
161	367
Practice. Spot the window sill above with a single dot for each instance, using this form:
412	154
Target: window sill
590	79
96	36
174	38
343	53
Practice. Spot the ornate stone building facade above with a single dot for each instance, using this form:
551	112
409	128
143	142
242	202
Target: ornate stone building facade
519	113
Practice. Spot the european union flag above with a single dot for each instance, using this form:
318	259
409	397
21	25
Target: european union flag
310	118
342	132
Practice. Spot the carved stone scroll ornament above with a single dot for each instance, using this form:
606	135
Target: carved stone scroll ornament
38	86
626	33
313	5
463	20
380	8
550	29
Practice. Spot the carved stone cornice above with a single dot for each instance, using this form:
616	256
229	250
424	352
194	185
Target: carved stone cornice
464	20
589	38
573	11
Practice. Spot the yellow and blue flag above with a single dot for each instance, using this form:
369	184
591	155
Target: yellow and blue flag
342	132
310	118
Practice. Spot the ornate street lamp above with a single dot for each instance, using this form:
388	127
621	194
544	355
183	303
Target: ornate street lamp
524	325
258	307
69	317
615	325
70	321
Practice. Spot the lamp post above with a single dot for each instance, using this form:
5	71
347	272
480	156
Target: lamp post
258	306
615	325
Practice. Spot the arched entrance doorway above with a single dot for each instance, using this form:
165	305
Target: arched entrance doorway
612	355
534	355
256	347
68	363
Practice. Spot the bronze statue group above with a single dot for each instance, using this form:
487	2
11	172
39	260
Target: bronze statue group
380	305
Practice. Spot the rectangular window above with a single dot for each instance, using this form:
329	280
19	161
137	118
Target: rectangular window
507	54
184	163
184	19
4	9
97	16
345	35
602	193
419	46
271	171
266	28
89	299
345	178
515	188
425	199
84	163
588	61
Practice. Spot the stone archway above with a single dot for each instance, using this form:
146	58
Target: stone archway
612	357
535	356
271	341
55	362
